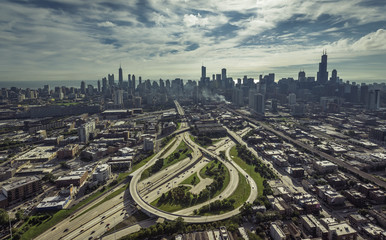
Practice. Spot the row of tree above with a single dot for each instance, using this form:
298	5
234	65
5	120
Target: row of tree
251	159
218	205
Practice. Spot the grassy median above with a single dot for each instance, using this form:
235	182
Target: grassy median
250	169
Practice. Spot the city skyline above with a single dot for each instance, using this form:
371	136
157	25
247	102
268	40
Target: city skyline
68	40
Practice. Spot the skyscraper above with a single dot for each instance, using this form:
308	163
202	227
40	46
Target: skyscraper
133	82
203	75
260	104
111	79
334	76
83	87
224	77
322	76
104	84
120	77
302	76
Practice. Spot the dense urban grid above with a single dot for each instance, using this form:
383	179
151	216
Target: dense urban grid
217	158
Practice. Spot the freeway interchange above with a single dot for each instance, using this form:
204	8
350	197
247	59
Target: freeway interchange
148	190
91	223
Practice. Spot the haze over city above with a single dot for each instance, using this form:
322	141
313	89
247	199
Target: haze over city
84	40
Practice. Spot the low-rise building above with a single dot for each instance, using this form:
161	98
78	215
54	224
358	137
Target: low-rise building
102	173
22	189
341	231
276	232
148	144
123	162
38	154
324	167
76	178
68	151
330	195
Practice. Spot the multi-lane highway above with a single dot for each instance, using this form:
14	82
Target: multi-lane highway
143	195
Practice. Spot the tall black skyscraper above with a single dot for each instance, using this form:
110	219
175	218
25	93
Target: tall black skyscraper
323	74
120	77
133	82
203	75
83	87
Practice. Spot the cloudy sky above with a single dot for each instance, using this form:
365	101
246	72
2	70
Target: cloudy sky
86	40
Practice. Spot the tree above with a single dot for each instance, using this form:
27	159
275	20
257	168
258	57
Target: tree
20	215
4	217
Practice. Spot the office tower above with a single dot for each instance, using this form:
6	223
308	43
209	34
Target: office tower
161	83
251	100
139	80
46	89
120	77
104	84
85	130
245	80
83	87
203	75
224	78
99	85
323	74
271	78
129	79
118	97
374	99
302	76
364	93
133	82
292	99
90	90
167	82
237	97
334	76
274	105
260	104
111	79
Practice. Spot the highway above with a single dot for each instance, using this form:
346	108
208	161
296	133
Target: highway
309	148
192	219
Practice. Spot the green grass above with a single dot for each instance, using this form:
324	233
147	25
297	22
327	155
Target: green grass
168	148
250	169
226	179
240	195
169	207
178	125
242	192
190	179
181	147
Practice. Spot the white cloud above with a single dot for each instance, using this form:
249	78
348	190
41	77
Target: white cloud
106	24
372	41
191	20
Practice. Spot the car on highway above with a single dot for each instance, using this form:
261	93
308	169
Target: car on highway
82	230
53	228
93	232
103	217
65	230
90	238
107	225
